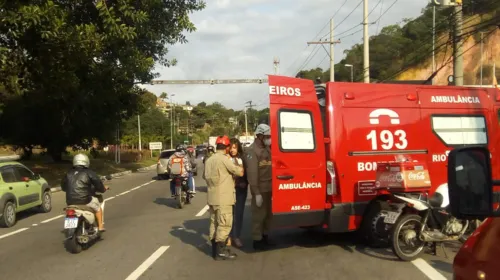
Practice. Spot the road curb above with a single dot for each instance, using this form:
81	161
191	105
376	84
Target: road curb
114	175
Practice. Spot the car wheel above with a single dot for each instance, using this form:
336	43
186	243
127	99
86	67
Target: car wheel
9	215
46	205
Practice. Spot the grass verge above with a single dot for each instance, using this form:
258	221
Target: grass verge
53	172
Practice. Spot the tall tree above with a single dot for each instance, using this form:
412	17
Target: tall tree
69	69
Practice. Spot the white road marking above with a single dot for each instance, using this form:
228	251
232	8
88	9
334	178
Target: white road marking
51	219
57	217
147	263
428	270
14	232
202	211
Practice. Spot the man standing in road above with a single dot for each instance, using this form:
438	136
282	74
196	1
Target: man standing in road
258	168
219	171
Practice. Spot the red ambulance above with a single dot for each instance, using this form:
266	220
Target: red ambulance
327	140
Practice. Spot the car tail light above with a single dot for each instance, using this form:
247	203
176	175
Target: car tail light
70	213
331	185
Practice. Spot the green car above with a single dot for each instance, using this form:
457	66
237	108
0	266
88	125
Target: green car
20	190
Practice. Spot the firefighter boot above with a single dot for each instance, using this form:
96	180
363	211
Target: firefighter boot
259	245
214	248
266	241
223	253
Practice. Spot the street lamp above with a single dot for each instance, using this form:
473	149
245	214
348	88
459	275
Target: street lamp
188	109
171	121
350	66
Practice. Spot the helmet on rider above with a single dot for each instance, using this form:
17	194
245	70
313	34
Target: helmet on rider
81	160
181	148
211	149
222	140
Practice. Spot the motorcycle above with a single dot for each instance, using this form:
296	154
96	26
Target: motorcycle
80	227
181	191
418	221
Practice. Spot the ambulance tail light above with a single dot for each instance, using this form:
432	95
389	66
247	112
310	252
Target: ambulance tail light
331	186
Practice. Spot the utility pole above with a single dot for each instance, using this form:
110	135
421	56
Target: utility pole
332	43
433	39
481	75
276	63
366	46
139	130
249	106
458	59
332	53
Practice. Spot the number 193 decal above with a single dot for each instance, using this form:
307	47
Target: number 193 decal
301	207
388	140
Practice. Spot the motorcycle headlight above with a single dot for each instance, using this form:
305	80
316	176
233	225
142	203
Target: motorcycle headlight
184	182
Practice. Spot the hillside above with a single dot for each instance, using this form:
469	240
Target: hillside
472	65
403	51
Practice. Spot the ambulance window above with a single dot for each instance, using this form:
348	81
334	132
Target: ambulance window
296	131
498	115
460	130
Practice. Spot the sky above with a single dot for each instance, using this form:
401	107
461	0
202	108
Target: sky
238	39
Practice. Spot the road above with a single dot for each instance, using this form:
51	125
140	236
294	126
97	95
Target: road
148	238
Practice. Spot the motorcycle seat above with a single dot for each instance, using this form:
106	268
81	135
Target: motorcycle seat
80	207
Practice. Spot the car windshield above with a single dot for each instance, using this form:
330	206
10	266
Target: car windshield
166	154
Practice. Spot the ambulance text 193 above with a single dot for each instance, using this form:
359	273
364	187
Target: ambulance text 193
290	91
388	139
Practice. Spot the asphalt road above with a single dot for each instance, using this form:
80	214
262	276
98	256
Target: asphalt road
148	238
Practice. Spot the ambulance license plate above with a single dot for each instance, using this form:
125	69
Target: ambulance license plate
70	222
391	217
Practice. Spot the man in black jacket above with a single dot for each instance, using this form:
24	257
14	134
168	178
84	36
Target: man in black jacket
80	185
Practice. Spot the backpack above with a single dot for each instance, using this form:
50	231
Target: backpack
177	165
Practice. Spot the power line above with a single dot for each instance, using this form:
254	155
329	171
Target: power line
328	22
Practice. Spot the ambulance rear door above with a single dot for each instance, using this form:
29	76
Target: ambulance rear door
298	153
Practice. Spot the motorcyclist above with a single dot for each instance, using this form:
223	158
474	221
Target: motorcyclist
81	184
210	152
186	172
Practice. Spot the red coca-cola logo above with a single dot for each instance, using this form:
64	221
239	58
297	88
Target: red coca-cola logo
391	177
416	176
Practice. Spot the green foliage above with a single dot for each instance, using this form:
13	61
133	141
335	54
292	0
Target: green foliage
69	69
404	45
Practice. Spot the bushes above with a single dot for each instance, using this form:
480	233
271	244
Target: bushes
127	155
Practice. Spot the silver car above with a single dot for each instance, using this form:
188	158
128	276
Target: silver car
161	167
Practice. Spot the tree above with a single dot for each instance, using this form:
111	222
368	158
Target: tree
74	65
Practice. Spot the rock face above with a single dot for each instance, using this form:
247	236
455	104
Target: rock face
472	62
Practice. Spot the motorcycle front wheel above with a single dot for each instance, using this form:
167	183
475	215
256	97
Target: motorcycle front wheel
405	241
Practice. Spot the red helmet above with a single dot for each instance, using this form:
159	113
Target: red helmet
224	140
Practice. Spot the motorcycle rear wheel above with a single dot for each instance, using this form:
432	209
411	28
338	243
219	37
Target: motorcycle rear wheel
398	230
72	245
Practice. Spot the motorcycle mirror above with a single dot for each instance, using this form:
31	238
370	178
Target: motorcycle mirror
470	184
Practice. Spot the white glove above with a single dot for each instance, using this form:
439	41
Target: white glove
258	200
240	162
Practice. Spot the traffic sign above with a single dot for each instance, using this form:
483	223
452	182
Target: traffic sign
155	145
